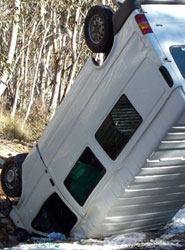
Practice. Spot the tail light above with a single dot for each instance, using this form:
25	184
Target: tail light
143	24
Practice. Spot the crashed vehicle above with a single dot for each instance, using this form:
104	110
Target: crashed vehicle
112	160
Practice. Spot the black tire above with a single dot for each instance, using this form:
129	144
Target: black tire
98	29
11	176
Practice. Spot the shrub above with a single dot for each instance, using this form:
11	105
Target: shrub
11	128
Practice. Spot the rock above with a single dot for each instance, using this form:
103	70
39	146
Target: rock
10	227
5	220
13	240
1	215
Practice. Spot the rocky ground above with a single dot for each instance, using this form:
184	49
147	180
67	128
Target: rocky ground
7	238
8	149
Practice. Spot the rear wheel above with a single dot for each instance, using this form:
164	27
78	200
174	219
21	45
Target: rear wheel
98	29
11	176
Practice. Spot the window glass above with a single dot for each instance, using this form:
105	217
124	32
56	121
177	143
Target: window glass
118	127
84	176
54	216
178	53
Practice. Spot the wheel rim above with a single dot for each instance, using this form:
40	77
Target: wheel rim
11	177
96	29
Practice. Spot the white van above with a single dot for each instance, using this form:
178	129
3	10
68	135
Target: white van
112	160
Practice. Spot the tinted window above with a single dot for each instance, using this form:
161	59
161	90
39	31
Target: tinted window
84	176
118	127
54	216
178	53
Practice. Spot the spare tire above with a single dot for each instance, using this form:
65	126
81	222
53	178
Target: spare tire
98	29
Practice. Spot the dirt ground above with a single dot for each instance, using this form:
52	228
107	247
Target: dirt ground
11	148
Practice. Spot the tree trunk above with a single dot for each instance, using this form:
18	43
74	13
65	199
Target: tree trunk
26	66
74	49
12	46
35	77
58	70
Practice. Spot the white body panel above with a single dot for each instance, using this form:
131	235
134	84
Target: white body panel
121	202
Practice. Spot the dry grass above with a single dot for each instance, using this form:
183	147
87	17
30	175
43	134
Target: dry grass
12	128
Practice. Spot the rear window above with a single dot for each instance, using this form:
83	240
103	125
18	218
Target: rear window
178	53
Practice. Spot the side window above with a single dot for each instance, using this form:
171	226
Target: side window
54	216
178	53
84	176
118	127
